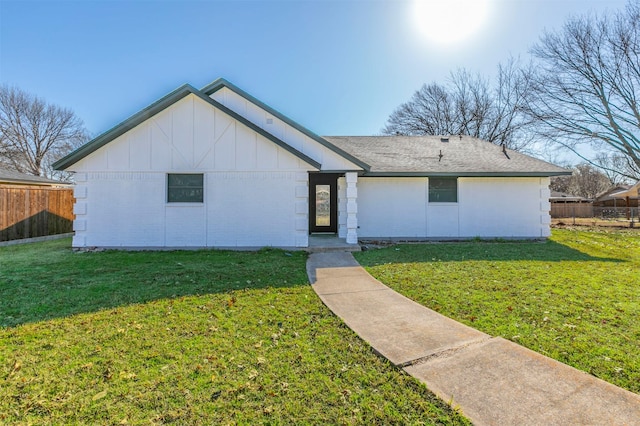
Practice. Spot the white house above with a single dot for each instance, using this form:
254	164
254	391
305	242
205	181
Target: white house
218	168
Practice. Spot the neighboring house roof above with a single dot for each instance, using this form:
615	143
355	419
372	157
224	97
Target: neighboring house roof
157	107
607	195
441	156
13	177
564	197
632	192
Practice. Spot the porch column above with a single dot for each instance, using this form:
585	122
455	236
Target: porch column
352	207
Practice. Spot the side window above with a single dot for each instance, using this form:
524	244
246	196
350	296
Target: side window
185	188
443	190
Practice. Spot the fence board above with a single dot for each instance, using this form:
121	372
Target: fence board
27	212
571	210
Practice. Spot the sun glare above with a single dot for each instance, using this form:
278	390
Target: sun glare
446	22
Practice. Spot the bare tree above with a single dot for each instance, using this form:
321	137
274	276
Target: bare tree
34	133
588	85
561	184
617	167
468	104
586	181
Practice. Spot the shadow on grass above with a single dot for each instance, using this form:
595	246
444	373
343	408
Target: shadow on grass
41	281
548	251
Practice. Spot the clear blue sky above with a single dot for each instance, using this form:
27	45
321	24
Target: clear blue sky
336	67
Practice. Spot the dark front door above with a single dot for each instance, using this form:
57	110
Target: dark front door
323	202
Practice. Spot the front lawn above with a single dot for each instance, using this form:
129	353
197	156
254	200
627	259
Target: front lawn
193	337
575	298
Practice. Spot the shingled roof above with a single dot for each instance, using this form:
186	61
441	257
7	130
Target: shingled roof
13	177
440	156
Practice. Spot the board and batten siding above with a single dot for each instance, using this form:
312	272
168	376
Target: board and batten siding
255	192
283	131
486	208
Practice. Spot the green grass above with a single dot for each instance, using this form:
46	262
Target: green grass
193	337
574	298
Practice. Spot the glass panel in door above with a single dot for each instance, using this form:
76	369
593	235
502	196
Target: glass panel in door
323	205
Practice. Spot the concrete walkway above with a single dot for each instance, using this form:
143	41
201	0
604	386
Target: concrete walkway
492	380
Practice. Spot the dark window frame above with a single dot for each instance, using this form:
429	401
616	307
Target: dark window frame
185	188
443	189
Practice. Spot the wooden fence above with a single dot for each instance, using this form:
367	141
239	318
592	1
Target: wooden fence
572	210
27	212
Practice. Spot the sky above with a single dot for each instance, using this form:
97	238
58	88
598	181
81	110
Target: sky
335	67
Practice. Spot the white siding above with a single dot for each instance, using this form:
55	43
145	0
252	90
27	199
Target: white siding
243	208
303	143
443	220
255	192
486	208
504	207
185	225
120	211
392	207
190	135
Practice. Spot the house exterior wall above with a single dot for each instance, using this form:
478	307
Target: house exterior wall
255	193
392	207
486	208
330	160
504	207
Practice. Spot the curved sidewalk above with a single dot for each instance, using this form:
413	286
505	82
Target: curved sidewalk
492	380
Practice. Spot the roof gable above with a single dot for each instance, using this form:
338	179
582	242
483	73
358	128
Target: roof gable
221	83
606	195
159	106
631	192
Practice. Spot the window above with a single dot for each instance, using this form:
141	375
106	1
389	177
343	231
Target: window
185	188
443	190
